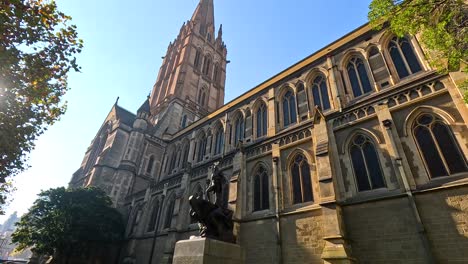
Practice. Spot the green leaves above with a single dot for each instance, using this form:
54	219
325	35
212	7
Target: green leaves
442	25
37	51
69	221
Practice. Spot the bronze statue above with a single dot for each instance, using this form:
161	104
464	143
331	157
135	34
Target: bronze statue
215	220
216	186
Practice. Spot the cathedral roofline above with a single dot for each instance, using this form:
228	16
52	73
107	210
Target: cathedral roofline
145	107
123	115
365	28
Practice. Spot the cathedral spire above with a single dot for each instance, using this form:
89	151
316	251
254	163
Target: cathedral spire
203	16
191	79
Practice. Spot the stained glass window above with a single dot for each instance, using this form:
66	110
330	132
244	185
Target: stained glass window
154	215
366	164
438	147
261	197
261	120
169	213
301	180
320	93
289	109
403	57
358	77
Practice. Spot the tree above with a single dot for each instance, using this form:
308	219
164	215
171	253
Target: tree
37	49
442	25
68	222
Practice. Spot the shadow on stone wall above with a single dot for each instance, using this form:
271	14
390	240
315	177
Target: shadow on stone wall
385	231
444	213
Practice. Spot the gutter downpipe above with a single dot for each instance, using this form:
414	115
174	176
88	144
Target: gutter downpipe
277	209
388	124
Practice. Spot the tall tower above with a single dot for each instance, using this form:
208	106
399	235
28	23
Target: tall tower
191	79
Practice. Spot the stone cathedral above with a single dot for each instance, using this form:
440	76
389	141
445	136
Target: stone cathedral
355	154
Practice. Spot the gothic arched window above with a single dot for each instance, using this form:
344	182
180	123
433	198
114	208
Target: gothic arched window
173	161
320	92
238	129
366	164
438	146
169	213
219	140
260	190
206	65
358	77
301	180
201	148
261	118
153	217
98	145
149	168
184	121
216	74
135	220
403	57
185	155
202	97
196	62
289	108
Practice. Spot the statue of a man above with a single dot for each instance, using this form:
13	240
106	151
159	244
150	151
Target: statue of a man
216	186
215	220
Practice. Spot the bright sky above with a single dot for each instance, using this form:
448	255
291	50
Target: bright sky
123	45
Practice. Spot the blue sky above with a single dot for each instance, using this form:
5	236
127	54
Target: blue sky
123	45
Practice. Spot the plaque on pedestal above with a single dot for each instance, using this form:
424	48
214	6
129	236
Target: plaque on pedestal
207	251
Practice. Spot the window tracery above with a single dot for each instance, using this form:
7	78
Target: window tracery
149	168
289	108
438	146
169	213
403	57
206	65
260	190
365	163
320	92
301	180
153	217
261	120
239	129
358	77
219	141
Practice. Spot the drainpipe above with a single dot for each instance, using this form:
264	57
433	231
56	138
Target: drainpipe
388	124
276	178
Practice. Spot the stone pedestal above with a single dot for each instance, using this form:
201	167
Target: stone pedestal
207	251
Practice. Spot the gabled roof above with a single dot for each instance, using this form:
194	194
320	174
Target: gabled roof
124	115
145	107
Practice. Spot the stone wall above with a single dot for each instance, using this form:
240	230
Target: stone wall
444	213
302	237
383	232
259	240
